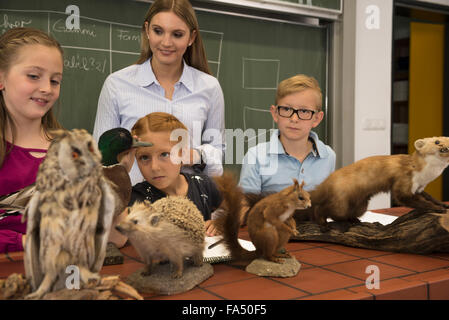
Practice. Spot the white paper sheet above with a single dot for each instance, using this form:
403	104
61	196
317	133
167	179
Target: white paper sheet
370	216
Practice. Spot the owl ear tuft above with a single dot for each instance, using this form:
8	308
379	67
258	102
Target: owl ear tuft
58	133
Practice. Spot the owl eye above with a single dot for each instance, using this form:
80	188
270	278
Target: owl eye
90	147
75	153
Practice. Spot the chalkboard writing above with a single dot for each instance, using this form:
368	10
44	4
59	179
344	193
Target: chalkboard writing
248	56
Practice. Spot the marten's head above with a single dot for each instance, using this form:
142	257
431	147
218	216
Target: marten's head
437	146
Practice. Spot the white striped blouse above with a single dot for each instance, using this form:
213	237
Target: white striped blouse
197	101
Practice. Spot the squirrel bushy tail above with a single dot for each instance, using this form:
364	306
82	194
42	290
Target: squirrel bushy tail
228	223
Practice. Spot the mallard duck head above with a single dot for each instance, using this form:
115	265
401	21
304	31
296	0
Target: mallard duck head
115	141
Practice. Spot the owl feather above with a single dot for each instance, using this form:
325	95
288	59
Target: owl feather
17	201
69	215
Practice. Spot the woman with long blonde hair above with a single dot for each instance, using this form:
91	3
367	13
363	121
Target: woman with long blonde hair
172	76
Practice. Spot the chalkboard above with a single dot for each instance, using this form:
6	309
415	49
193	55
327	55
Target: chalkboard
249	56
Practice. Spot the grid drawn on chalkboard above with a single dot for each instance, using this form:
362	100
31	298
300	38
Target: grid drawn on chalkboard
254	73
6	24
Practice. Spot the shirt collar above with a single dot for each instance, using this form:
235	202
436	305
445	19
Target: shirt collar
187	76
313	139
318	150
276	146
146	77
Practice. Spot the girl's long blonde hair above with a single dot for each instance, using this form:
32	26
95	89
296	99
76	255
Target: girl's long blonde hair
11	42
195	55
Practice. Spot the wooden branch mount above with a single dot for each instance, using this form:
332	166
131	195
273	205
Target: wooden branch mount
419	232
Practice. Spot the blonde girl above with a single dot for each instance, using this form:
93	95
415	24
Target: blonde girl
31	66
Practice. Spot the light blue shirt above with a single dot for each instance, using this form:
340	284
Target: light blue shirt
268	168
197	101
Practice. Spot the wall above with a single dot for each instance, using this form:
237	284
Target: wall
249	55
366	81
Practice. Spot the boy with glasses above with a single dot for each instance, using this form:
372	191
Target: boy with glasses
294	151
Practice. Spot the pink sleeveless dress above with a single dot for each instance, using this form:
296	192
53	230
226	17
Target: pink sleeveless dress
18	171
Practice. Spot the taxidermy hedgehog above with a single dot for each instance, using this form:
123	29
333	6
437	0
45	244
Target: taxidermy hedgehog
171	228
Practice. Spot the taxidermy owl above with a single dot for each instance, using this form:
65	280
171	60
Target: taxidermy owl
69	215
111	144
16	201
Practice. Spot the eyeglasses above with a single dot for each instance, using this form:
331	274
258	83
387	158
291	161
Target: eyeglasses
303	114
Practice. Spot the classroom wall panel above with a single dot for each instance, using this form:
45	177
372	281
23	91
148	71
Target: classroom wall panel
248	55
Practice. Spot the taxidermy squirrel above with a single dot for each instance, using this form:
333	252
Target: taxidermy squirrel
270	222
344	195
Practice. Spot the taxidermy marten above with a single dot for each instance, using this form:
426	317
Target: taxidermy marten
270	222
344	195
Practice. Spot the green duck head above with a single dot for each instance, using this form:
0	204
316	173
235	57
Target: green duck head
115	141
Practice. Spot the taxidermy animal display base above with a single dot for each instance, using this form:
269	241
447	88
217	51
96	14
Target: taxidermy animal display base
419	232
160	281
17	287
264	268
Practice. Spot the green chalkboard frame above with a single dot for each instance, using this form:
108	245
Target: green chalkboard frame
248	54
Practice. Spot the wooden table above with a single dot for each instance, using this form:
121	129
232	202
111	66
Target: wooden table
328	271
